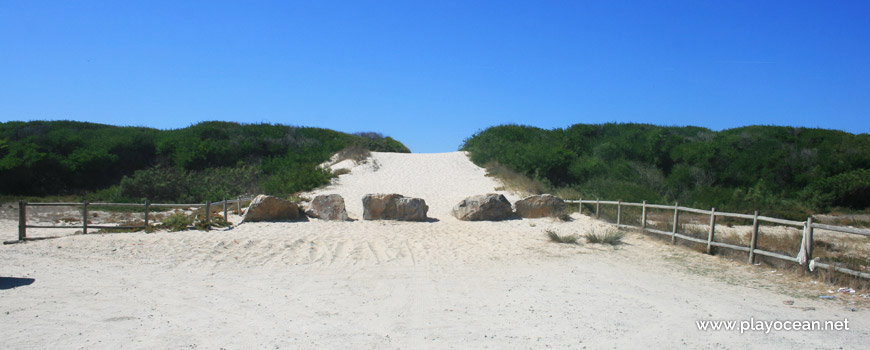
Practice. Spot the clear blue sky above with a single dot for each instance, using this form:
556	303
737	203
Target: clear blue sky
431	73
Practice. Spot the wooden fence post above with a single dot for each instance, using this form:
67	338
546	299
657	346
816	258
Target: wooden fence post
147	204
643	218
712	230
754	240
619	212
225	209
22	220
207	211
597	207
239	205
85	218
809	241
580	207
676	222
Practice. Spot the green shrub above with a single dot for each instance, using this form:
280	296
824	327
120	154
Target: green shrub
206	161
158	184
776	170
849	189
177	221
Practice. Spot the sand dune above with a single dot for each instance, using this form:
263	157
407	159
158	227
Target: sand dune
385	284
442	179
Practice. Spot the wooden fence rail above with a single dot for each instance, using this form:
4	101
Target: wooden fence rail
803	257
23	226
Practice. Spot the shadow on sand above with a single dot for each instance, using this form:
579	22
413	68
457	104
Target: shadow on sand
12	282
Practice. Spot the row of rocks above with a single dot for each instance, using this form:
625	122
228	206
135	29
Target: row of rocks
393	207
331	207
489	207
495	207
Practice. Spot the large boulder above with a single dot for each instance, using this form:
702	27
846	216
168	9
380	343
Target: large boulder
328	207
393	207
269	208
491	207
545	205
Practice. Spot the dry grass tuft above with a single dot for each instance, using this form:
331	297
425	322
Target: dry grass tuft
610	236
355	153
788	243
515	181
555	237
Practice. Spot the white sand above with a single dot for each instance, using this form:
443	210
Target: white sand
396	285
442	179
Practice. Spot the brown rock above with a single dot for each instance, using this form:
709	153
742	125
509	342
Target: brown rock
269	208
328	207
393	207
491	207
545	205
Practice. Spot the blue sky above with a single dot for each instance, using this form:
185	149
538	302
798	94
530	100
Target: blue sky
431	73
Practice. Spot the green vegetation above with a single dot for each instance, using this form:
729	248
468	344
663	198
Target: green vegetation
206	161
177	221
781	171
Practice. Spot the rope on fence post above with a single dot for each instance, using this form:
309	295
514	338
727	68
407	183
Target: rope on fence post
22	220
712	230
676	222
85	218
809	242
754	240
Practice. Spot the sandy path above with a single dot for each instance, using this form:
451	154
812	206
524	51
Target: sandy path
442	179
375	285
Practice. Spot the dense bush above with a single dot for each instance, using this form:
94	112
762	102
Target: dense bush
849	189
210	160
781	170
167	184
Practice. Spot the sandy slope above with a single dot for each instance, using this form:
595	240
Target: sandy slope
442	179
375	284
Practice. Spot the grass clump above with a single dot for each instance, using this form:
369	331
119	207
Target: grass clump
342	171
177	221
215	220
611	237
555	237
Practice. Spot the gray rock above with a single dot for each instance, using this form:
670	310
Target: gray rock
393	207
269	208
328	207
489	207
544	205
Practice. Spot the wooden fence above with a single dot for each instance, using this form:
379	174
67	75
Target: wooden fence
803	257
23	226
